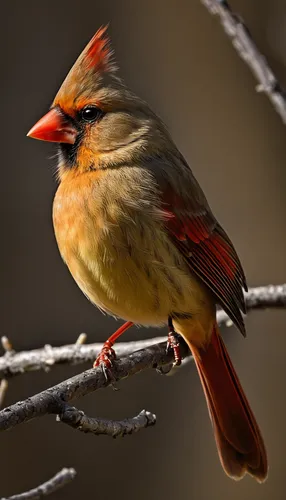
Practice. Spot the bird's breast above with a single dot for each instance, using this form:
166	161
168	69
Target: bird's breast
113	240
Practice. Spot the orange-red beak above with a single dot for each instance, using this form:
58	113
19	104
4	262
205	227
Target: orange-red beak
54	127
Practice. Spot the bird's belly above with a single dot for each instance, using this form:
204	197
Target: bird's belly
143	281
120	254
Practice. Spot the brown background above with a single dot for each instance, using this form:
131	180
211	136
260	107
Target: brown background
175	55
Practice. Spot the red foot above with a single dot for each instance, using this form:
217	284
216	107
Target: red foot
106	356
173	343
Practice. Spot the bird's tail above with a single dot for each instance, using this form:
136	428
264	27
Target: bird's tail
239	442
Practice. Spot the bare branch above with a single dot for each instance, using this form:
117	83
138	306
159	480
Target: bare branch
82	338
12	364
246	48
54	400
78	420
261	297
6	344
45	358
3	390
55	483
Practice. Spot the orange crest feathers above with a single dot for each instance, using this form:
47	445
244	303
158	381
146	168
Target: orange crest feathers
98	53
87	74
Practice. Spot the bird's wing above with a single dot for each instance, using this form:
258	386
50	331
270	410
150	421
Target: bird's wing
205	245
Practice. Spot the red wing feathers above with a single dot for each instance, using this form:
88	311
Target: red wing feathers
211	255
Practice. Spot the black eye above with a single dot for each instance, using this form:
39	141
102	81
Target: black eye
90	113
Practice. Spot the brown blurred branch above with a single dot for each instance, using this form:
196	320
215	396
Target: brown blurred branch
3	390
55	483
12	363
246	48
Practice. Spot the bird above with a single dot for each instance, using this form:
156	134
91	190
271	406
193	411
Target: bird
140	239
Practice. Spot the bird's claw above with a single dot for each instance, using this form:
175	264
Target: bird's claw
106	356
104	359
174	345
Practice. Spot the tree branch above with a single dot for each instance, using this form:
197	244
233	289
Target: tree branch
261	297
246	48
114	428
12	363
3	390
54	400
55	483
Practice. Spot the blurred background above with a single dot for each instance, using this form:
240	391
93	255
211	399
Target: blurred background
176	56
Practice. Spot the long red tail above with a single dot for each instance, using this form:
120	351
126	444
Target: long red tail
239	442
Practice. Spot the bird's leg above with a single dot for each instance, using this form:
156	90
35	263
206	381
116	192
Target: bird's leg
173	343
107	353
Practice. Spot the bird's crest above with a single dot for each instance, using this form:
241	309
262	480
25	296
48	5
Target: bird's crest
92	69
98	54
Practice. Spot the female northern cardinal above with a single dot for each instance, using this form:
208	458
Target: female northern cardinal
139	238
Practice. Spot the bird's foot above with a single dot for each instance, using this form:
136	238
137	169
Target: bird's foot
107	354
105	358
174	344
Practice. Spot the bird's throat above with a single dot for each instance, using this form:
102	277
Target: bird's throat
68	153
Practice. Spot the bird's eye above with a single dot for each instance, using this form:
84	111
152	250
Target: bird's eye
90	113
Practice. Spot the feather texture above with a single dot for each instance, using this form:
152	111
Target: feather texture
209	253
239	442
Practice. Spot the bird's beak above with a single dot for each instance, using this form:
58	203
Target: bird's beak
54	127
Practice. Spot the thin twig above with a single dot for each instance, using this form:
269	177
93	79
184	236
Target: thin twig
6	344
55	483
78	353
246	48
3	391
81	339
114	428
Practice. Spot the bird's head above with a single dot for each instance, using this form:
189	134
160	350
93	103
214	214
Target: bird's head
97	121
